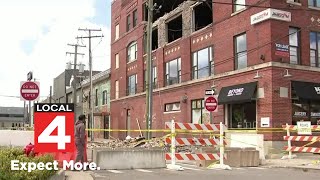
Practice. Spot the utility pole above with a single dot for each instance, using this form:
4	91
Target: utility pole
149	87
90	67
75	73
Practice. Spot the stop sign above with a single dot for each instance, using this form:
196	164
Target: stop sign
29	91
211	103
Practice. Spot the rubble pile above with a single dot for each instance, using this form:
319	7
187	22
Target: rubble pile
128	143
137	142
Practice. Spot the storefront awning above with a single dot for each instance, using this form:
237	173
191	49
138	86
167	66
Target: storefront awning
307	90
237	94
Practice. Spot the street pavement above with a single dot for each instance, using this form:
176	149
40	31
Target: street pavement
191	172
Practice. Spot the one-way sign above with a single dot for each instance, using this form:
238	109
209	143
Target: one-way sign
210	92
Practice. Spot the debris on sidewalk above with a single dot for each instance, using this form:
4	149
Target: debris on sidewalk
137	142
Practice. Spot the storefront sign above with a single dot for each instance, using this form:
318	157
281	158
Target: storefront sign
304	128
282	50
315	114
235	92
300	113
271	14
265	122
317	90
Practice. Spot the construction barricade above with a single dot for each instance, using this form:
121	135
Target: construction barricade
173	156
304	138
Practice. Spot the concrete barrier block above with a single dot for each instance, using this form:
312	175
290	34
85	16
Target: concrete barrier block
249	158
233	157
129	158
206	163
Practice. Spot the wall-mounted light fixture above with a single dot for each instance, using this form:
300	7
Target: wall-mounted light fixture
257	76
287	73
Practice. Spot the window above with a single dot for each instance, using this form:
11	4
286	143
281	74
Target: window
132	52
135	18
240	51
132	85
78	98
104	97
117	61
304	110
172	107
202	63
117	90
117	32
198	113
97	99
128	22
315	49
314	3
154	77
296	1
173	72
242	115
294	45
239	5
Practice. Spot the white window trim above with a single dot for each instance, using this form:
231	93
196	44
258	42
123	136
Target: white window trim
129	46
293	3
171	112
117	33
237	12
117	89
117	61
314	8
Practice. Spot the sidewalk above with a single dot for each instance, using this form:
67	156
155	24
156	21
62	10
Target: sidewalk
311	162
78	175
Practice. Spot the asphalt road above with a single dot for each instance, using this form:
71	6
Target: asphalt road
194	173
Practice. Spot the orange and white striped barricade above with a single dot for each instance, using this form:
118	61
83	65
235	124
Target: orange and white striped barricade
173	156
305	138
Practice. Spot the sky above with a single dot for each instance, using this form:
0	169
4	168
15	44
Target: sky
34	37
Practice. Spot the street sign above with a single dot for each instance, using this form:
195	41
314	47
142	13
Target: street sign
211	104
29	91
210	92
304	128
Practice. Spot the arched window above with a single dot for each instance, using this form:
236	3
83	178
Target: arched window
132	51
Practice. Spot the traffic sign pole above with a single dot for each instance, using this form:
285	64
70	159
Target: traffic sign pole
29	91
210	99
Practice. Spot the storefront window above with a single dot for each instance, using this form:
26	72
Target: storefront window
315	113
304	109
242	115
199	114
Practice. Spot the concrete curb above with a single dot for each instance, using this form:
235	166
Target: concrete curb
293	167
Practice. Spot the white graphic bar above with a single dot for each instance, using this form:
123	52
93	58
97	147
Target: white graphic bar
30	91
211	104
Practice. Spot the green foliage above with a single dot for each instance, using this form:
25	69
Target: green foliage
8	154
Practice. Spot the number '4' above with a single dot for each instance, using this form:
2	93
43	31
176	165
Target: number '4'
61	139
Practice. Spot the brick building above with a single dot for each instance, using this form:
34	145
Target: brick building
262	58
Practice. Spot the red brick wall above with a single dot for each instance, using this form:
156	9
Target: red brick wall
260	41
